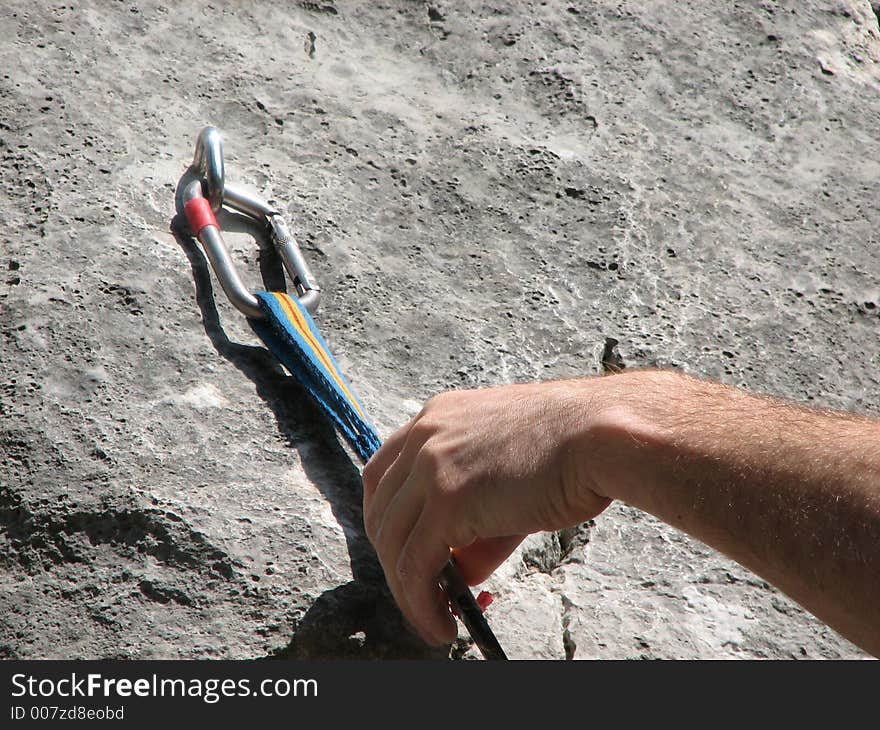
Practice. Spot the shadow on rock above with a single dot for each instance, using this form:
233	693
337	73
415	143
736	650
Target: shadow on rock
358	619
355	621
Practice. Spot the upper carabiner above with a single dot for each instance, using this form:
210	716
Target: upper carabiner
208	165
203	191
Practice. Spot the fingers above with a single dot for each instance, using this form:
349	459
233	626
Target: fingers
412	541
408	538
478	561
391	482
421	561
389	530
394	500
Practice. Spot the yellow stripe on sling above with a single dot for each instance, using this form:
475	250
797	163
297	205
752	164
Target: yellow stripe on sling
296	317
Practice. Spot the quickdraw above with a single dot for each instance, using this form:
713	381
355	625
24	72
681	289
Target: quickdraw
285	325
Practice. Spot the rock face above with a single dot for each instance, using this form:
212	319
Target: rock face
486	194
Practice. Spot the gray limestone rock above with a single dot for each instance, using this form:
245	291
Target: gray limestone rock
487	194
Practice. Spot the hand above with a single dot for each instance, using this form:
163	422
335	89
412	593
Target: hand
476	471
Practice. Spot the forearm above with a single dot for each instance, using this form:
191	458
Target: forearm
790	493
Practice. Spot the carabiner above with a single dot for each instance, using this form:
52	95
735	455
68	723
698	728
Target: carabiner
203	191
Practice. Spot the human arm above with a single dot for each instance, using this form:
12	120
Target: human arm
791	493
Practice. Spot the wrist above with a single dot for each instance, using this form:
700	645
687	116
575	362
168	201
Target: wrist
626	433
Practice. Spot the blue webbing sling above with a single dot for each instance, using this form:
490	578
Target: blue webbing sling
291	334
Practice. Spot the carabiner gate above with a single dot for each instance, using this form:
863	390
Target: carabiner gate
203	191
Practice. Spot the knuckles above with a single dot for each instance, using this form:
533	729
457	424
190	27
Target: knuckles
431	460
424	428
436	403
440	482
442	405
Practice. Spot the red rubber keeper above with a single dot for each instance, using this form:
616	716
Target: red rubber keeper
484	600
199	214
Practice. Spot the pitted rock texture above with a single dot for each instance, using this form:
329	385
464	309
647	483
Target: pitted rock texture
487	193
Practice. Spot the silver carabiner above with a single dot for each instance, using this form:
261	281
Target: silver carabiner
203	191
